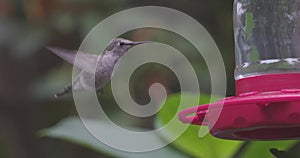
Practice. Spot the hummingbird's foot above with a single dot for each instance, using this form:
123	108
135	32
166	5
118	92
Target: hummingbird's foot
66	91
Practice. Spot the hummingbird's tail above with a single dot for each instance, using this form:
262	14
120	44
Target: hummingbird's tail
65	91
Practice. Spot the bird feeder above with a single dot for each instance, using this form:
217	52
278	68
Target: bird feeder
267	74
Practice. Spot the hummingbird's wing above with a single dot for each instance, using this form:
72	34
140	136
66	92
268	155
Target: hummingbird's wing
84	61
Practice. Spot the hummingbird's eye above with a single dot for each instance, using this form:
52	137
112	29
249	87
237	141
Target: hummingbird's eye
121	43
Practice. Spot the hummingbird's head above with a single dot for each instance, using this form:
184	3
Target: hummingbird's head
120	46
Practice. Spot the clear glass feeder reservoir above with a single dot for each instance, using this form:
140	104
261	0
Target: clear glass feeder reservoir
267	74
267	37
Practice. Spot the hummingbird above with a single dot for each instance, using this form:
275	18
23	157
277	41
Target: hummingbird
282	154
101	65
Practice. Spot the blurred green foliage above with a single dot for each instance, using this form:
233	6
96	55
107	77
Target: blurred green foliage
190	142
187	144
73	130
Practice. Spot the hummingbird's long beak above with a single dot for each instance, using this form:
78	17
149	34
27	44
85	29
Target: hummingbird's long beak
139	42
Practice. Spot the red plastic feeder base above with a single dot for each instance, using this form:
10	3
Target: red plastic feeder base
266	107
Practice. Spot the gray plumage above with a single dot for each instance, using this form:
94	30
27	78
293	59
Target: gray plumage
104	64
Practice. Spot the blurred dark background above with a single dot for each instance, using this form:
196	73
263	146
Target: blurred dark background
30	74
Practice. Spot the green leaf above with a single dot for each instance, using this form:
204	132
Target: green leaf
189	142
73	130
